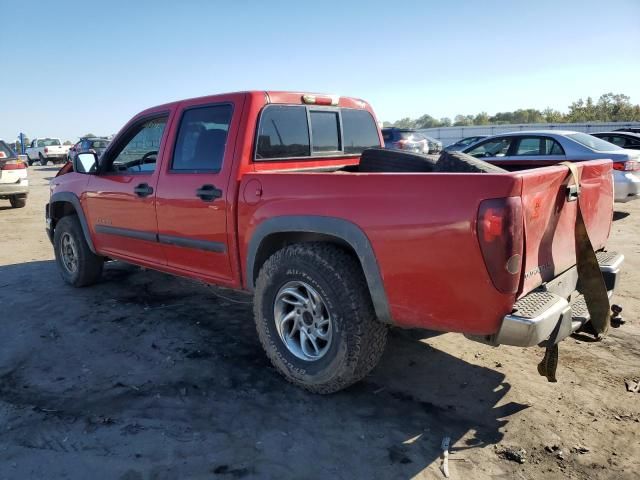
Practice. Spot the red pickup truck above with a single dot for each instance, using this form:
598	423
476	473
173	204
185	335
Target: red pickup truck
270	192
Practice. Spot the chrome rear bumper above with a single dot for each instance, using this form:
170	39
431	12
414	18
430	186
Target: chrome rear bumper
536	315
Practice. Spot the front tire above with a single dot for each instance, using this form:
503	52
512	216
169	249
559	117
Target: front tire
77	264
315	318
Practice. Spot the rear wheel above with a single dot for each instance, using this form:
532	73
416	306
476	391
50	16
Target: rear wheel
43	161
77	264
315	318
18	201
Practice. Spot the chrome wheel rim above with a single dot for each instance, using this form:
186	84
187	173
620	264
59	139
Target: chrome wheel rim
69	253
303	321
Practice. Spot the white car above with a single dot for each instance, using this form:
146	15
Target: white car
539	148
14	184
44	149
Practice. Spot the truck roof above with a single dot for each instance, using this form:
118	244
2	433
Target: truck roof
277	96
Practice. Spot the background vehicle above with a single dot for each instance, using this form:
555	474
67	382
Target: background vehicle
14	183
97	144
405	139
44	150
270	192
621	139
435	146
520	150
465	142
628	129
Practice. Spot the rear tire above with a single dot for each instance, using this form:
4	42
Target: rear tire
18	201
77	264
384	160
458	162
339	290
43	161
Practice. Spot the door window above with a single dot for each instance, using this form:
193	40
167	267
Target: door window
497	147
201	140
138	150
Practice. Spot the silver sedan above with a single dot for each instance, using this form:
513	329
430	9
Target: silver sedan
526	149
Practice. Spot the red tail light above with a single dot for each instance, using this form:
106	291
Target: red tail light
399	145
13	165
628	166
500	233
46	150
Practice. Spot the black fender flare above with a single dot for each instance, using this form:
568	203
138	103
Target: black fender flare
73	199
335	227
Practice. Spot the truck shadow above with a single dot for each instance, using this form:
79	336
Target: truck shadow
172	371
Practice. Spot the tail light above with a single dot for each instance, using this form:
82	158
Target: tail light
46	150
399	145
628	166
500	233
13	165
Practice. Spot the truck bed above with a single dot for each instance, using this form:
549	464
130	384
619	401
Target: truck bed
429	256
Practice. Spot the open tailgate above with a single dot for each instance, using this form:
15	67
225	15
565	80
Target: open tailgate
549	217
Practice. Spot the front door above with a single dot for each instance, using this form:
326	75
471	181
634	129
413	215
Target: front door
193	191
121	198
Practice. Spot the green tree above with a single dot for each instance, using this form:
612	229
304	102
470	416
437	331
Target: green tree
553	116
405	123
88	135
427	121
445	122
481	118
67	142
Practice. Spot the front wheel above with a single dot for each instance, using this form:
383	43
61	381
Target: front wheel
77	264
315	318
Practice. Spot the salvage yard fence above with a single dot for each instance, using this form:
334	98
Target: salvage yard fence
449	135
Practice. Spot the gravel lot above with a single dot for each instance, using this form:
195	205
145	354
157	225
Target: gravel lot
149	376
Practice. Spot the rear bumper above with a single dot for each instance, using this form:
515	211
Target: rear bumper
536	315
626	186
19	188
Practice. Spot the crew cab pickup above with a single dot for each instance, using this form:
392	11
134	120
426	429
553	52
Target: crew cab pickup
47	149
269	192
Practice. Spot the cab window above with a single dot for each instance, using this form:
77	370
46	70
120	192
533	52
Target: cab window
138	150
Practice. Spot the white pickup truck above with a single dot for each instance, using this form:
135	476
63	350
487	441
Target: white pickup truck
44	149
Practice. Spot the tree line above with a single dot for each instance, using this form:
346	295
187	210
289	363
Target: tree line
610	107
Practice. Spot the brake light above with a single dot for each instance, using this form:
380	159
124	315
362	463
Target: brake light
400	144
500	234
13	165
628	166
46	150
321	99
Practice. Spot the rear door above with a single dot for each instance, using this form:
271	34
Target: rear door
549	218
194	198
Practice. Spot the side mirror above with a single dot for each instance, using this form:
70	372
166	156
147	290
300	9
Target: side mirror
85	162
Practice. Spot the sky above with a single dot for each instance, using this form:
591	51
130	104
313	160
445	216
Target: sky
72	68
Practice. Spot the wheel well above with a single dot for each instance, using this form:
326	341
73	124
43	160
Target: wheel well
57	210
276	241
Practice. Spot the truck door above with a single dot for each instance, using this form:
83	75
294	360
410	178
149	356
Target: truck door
120	199
194	195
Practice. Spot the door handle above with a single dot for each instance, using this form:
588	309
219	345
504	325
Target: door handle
208	193
143	190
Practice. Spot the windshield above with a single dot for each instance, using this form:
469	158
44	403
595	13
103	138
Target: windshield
5	151
48	142
594	143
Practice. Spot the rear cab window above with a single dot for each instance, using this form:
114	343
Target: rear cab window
300	131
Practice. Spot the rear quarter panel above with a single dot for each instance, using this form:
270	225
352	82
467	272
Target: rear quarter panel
422	228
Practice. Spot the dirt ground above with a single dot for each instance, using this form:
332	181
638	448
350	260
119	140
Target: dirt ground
147	376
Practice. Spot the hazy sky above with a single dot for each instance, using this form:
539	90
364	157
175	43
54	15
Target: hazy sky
75	67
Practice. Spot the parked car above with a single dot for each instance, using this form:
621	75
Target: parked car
528	149
405	139
97	144
622	139
14	181
269	192
44	150
465	142
628	129
435	146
